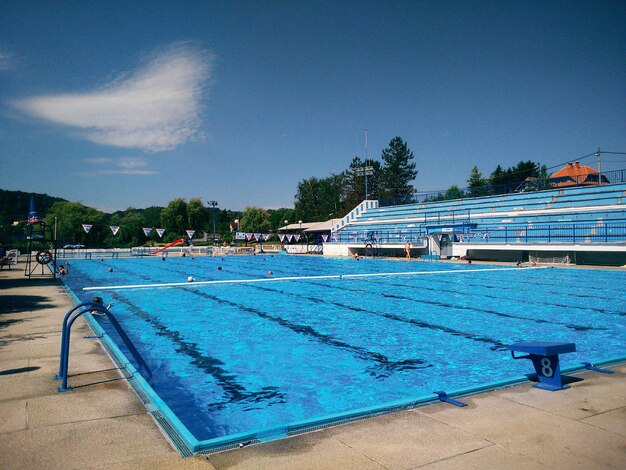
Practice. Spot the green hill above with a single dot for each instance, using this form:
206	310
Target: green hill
14	205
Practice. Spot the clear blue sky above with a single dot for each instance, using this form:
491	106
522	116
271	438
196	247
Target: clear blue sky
131	103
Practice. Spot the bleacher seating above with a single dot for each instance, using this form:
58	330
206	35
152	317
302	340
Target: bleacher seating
590	213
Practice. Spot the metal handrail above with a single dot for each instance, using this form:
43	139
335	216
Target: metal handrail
68	321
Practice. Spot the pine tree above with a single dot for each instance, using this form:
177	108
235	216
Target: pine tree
398	169
476	184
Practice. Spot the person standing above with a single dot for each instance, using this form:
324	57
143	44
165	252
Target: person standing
407	249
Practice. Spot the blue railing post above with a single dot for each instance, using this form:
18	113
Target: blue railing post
64	334
68	321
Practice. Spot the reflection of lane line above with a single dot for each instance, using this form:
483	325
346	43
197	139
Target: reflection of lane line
300	278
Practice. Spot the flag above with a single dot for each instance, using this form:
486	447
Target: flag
160	231
147	231
87	227
33	217
114	229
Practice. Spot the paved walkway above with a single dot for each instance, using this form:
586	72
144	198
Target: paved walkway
101	424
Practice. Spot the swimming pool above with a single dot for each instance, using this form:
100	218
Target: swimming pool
262	356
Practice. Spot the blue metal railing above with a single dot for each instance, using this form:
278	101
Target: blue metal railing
522	233
569	233
378	237
70	317
608	177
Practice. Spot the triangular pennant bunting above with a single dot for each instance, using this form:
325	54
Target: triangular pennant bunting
87	227
297	236
190	233
248	236
289	237
325	237
266	236
160	231
281	237
114	229
147	231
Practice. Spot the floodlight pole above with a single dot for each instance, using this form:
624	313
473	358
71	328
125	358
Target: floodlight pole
599	168
213	204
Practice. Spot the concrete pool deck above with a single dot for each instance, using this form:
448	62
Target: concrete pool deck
102	424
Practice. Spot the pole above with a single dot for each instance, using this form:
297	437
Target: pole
599	168
213	204
366	165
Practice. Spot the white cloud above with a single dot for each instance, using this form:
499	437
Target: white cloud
156	107
7	58
119	166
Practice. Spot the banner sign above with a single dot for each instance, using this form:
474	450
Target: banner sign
160	231
114	229
147	231
87	227
190	233
240	236
33	217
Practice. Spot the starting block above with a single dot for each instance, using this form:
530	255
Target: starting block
545	358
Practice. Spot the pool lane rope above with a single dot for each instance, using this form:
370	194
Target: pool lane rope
298	278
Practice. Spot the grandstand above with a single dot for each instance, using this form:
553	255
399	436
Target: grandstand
579	225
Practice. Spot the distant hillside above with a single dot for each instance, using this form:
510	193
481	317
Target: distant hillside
14	205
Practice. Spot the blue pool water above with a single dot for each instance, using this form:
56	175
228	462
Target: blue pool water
232	358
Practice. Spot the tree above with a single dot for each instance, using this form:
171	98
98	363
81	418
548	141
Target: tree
398	170
453	192
476	184
318	199
197	217
69	218
131	224
278	217
498	179
174	216
255	219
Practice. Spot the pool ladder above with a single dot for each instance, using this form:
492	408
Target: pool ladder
68	321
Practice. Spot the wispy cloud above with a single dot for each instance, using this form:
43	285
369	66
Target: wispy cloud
117	166
156	107
7	58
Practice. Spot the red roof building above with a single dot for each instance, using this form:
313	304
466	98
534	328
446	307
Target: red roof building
575	174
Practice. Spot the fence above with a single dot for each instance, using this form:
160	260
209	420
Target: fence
530	185
563	233
378	237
